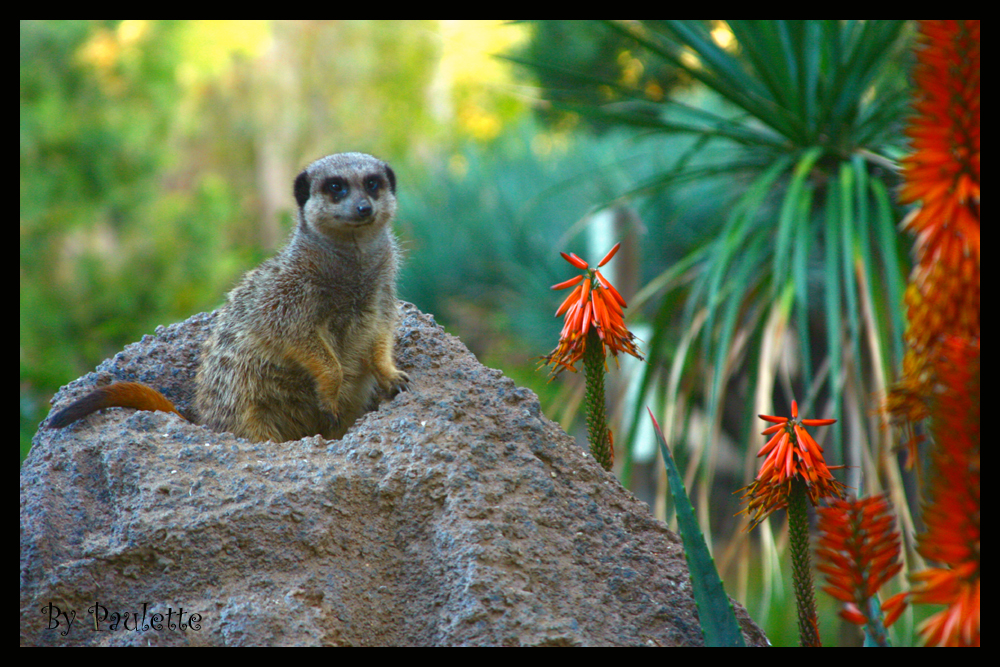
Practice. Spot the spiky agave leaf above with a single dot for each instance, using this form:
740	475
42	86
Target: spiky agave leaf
715	611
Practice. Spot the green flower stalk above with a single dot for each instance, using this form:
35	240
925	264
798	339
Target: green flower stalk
805	596
594	325
598	432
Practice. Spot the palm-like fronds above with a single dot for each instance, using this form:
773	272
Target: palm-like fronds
806	253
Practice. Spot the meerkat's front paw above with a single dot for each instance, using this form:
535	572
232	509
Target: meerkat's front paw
401	382
330	409
332	421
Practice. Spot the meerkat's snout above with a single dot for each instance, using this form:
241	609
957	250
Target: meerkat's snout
364	209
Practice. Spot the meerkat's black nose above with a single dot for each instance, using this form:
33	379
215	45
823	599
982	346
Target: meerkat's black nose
364	209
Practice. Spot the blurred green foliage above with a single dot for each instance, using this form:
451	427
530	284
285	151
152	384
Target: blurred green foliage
141	199
796	293
582	62
803	250
149	156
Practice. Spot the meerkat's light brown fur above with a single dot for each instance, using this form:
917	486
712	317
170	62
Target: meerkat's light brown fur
305	341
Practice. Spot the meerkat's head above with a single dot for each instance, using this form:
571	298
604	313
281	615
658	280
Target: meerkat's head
347	194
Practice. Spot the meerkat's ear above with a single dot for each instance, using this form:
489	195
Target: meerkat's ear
302	188
392	178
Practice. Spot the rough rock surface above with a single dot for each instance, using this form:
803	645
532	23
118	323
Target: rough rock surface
456	514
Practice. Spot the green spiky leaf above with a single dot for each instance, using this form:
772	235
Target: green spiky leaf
715	611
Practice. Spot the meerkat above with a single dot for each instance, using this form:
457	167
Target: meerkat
305	342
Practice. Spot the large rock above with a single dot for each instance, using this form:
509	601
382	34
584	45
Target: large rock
456	514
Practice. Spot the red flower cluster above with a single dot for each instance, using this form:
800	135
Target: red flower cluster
943	174
941	370
594	303
858	551
953	536
792	454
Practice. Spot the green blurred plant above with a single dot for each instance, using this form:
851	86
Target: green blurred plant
593	326
805	245
149	160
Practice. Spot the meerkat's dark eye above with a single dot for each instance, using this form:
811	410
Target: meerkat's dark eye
337	187
372	184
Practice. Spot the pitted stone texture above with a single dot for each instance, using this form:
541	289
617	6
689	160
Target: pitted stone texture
455	514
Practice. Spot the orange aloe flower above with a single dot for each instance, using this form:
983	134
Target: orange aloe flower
792	455
943	174
594	303
953	537
858	551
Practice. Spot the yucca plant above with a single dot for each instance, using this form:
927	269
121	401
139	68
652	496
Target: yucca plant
806	252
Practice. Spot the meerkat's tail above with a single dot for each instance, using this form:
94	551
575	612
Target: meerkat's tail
116	395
